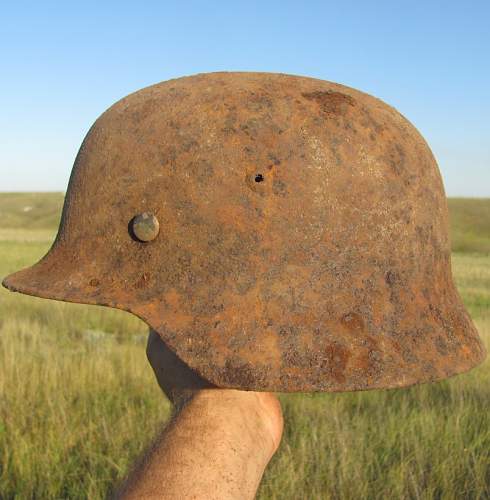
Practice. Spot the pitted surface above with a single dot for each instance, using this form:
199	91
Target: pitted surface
303	241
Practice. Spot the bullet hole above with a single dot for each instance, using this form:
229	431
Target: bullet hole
259	178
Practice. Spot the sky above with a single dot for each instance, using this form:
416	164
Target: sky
63	63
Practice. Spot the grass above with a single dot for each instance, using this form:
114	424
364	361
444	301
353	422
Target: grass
470	218
30	210
78	403
470	224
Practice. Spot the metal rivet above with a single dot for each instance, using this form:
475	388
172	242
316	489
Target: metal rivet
145	226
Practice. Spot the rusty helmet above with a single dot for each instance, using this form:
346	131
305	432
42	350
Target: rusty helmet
278	232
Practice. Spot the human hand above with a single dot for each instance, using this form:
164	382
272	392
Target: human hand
181	384
177	381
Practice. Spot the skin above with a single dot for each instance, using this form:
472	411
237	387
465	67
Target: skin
217	444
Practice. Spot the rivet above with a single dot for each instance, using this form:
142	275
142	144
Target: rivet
145	227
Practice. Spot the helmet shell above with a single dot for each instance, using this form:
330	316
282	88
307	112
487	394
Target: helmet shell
303	235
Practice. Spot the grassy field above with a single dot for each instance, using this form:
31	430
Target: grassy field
78	402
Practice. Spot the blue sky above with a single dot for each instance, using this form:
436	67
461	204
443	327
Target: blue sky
63	63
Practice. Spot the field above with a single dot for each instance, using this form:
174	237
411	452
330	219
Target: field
78	402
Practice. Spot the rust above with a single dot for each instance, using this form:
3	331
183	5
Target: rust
330	101
304	235
142	281
352	321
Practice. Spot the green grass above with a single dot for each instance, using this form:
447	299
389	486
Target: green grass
30	210
470	217
78	403
470	224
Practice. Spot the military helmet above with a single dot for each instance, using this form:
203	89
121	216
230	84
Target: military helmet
279	233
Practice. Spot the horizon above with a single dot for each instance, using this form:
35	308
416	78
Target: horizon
64	193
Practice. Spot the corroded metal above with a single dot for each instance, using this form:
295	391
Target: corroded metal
306	235
144	227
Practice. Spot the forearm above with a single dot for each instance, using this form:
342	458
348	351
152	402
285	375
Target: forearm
217	446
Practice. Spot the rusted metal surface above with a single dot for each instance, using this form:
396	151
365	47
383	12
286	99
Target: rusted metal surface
303	240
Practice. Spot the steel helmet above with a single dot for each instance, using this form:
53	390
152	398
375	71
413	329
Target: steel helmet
278	232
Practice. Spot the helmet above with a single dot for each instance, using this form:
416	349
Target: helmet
278	232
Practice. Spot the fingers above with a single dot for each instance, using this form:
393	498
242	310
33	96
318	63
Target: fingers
155	347
175	378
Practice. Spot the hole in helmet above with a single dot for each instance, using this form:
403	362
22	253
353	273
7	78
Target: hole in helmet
259	178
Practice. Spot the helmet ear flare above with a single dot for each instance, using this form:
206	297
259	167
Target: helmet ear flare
144	227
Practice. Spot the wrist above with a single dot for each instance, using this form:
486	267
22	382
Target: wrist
255	417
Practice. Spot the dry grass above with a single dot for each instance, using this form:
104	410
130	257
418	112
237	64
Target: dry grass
470	224
78	403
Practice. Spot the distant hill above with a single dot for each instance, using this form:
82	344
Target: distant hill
470	217
470	224
30	210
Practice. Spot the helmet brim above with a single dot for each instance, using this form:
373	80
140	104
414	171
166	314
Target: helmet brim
48	279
